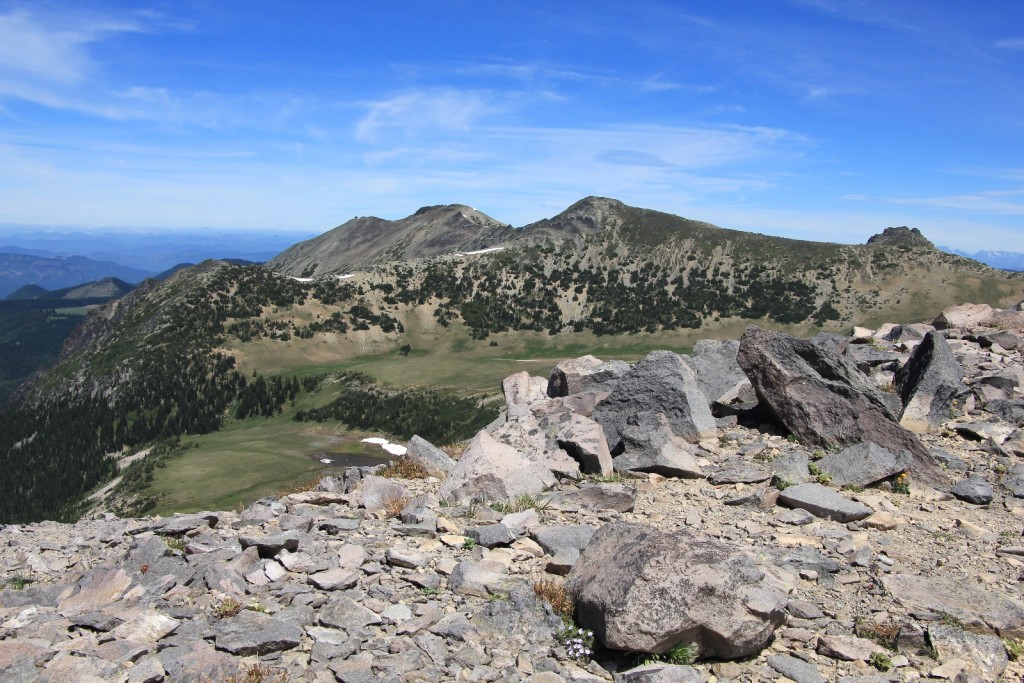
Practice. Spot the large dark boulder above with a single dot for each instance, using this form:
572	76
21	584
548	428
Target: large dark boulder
659	383
823	400
929	383
644	590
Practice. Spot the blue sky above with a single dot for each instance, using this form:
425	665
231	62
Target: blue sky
815	119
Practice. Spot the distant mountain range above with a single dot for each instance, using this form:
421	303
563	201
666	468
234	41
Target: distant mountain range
1004	260
50	273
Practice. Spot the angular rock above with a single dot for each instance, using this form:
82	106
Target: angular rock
584	441
340	578
379	493
102	586
847	648
977	607
338	525
791	467
975	490
738	470
644	590
823	502
342	612
479	578
795	669
491	535
660	673
963	315
521	391
584	374
659	383
564	541
929	383
861	465
433	459
618	497
271	544
825	401
719	376
649	445
985	654
494	472
251	633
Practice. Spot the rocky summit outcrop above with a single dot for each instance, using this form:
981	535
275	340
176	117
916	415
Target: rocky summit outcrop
760	555
824	400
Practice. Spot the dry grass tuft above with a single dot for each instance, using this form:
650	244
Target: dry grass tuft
455	450
404	468
259	673
555	593
394	506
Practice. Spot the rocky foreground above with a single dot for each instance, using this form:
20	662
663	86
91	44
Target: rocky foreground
837	509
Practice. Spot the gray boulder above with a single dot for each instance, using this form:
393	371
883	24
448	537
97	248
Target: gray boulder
521	391
583	440
821	398
792	467
659	383
618	497
739	471
929	383
494	472
973	490
861	465
978	607
563	543
644	590
433	459
537	445
480	578
796	669
584	374
251	633
659	673
823	502
984	654
649	445
1011	410
719	376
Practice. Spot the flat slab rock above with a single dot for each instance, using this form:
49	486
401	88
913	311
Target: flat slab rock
822	501
978	609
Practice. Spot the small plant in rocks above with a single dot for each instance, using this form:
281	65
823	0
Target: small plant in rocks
578	642
681	654
880	661
228	607
468	543
901	484
1014	648
404	468
555	593
175	543
255	606
15	583
781	484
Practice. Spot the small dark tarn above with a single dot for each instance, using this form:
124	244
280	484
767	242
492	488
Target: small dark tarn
347	459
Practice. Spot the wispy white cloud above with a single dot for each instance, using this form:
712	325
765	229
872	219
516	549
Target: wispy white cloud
1000	202
55	49
444	109
1015	44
